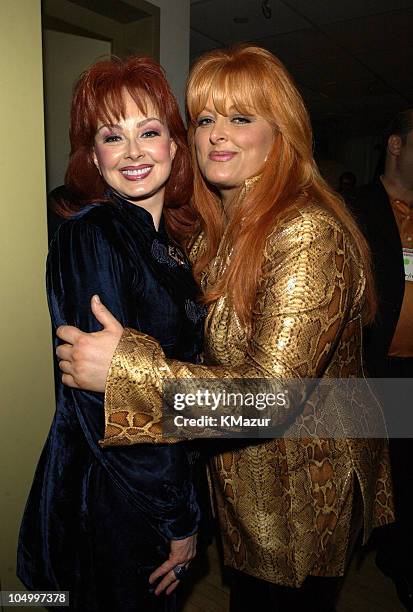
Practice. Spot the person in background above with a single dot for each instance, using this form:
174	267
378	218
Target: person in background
285	273
347	186
385	212
99	522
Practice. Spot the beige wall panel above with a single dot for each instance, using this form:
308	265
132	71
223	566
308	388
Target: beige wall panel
140	36
25	359
65	56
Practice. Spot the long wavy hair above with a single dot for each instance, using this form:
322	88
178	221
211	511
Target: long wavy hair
98	97
255	82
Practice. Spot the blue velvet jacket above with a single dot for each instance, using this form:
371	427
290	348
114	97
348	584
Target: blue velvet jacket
98	521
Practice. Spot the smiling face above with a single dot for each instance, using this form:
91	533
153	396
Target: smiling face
231	148
134	155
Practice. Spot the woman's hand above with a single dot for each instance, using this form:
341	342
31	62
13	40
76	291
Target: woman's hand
85	358
181	553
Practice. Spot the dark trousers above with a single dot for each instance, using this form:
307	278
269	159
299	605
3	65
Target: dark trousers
317	594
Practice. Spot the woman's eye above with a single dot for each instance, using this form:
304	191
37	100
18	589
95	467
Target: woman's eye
112	138
151	134
241	120
204	121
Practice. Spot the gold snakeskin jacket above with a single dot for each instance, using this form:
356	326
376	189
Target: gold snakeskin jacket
286	506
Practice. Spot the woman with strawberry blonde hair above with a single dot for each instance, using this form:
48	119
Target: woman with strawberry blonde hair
285	273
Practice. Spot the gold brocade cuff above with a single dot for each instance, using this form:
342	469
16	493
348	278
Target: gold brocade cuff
134	380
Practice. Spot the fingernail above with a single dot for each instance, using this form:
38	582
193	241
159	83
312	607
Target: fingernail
97	299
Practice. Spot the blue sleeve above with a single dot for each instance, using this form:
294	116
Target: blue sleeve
82	261
86	258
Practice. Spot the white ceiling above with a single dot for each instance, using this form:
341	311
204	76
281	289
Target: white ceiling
352	59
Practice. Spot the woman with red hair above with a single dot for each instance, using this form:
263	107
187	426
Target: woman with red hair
286	275
99	522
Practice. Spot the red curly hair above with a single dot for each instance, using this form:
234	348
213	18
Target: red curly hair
98	97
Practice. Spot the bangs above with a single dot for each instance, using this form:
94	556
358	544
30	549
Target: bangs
100	93
111	107
230	87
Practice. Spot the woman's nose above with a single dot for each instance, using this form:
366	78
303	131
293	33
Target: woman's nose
218	132
133	149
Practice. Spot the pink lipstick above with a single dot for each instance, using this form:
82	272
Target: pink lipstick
221	156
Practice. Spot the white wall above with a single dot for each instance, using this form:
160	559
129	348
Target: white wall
65	56
174	35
